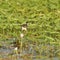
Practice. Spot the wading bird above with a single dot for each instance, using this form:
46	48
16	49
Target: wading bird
16	50
21	35
24	26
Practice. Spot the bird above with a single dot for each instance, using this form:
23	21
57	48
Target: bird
21	35
24	26
16	50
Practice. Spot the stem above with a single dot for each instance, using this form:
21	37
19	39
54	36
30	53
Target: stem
21	47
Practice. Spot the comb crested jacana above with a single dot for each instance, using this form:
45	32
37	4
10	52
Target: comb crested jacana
24	26
21	35
16	48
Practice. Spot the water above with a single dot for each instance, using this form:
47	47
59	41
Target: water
54	58
4	53
5	50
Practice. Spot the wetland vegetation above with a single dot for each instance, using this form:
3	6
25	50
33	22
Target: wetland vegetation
39	39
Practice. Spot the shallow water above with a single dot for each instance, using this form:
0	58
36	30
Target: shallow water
4	53
5	50
54	58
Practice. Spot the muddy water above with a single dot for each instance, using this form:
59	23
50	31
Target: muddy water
55	58
6	49
4	53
